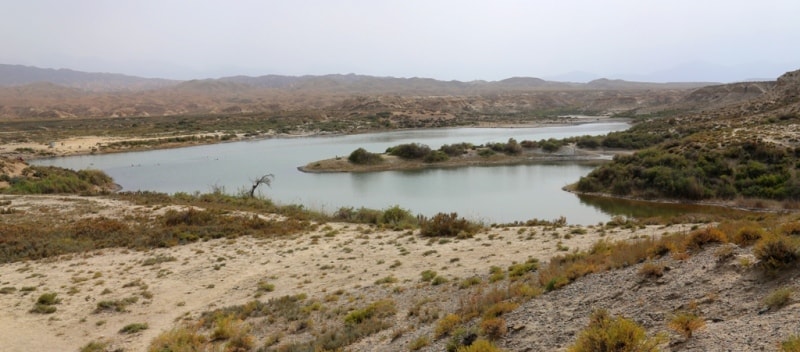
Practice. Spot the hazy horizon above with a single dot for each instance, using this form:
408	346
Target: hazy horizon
714	41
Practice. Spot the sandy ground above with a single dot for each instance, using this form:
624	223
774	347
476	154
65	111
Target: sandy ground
217	273
70	146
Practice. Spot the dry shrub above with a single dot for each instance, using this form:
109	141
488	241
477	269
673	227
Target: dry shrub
724	253
698	238
500	308
182	339
480	302
791	344
790	228
747	236
779	298
686	323
446	325
604	255
605	333
652	270
419	343
776	251
480	345
494	328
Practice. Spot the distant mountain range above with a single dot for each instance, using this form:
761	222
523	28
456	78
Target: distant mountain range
18	75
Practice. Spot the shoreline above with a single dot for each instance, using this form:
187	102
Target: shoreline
94	145
770	206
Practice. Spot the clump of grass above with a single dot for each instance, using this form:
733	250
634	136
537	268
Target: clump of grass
438	280
158	260
496	274
264	286
7	290
45	304
386	280
95	346
605	333
791	344
469	282
428	275
235	331
419	343
686	323
520	269
480	345
377	309
779	298
133	328
119	305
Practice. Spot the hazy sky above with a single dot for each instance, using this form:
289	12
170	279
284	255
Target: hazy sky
460	39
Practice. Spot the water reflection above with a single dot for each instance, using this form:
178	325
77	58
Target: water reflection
643	209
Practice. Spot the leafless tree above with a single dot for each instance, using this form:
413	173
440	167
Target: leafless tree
266	179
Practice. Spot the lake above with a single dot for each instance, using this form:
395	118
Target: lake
489	194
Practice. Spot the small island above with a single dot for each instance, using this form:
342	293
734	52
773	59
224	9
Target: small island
415	156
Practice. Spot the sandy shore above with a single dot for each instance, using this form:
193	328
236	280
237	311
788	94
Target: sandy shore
206	275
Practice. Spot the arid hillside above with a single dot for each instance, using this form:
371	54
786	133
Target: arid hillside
31	93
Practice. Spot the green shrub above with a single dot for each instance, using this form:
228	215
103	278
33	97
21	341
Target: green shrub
436	157
45	304
469	282
447	225
454	150
410	151
428	275
51	179
520	269
362	157
605	333
398	217
438	280
94	346
377	309
48	299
